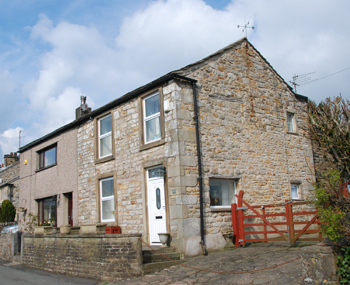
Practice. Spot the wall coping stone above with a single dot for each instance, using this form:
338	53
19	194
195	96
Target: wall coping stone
317	249
28	235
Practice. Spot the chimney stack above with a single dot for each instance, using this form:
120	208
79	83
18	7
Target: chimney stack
83	109
10	158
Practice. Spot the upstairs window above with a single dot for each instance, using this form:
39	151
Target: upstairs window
222	193
105	136
107	200
291	123
48	157
151	118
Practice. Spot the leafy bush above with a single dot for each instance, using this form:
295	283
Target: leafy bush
7	212
344	266
331	206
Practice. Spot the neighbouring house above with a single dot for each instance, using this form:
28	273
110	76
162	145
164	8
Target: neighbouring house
9	179
171	155
48	174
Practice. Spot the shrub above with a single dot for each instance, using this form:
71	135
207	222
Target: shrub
7	212
344	266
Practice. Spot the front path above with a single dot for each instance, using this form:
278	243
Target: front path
258	256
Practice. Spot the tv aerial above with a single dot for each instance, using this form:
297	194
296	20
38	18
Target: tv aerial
245	27
300	80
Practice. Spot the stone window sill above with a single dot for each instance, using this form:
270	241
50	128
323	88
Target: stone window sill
104	159
152	144
225	209
47	167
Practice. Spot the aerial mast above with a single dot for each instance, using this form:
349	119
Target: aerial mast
245	27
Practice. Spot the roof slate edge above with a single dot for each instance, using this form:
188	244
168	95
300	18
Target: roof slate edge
104	108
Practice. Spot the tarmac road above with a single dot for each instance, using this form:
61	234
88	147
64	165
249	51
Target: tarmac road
17	274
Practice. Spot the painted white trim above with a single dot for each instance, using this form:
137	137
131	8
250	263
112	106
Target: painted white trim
153	116
108	198
103	136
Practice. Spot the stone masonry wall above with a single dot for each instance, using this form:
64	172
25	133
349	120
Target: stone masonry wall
6	246
101	257
7	174
129	164
319	265
243	107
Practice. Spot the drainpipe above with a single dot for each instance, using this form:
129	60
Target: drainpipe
200	178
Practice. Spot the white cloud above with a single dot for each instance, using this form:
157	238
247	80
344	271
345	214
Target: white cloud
58	111
172	34
9	140
294	36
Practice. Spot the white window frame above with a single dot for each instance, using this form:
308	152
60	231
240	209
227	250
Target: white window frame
234	193
108	198
298	191
291	122
100	137
153	116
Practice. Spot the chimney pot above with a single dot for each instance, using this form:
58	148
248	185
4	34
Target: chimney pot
83	109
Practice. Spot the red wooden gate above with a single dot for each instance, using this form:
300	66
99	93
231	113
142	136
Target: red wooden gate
283	226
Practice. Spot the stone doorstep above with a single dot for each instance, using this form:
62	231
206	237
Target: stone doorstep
146	250
13	263
154	261
160	258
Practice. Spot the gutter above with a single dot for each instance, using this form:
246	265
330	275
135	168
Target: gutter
200	178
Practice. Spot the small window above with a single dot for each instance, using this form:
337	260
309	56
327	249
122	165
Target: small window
294	191
291	123
107	208
48	157
105	136
222	193
151	118
47	211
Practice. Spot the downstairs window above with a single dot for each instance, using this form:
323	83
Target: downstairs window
222	193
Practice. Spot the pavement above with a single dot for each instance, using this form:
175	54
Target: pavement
246	265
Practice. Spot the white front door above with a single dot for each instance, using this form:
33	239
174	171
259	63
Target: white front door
156	203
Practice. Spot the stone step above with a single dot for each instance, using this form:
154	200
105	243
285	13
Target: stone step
157	250
156	266
150	258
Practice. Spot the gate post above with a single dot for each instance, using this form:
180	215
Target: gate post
235	224
241	237
290	226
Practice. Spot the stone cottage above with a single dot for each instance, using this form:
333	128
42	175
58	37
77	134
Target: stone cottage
9	179
171	155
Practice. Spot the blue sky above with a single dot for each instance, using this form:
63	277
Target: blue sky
51	52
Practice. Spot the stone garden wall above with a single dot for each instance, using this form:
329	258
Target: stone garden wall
101	257
319	265
6	246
